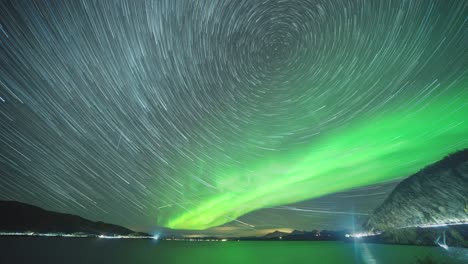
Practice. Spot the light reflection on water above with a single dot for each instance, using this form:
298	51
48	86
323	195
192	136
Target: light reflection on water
87	250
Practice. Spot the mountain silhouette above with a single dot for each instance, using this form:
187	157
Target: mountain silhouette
21	217
436	195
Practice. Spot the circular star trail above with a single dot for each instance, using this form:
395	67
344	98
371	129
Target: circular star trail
191	114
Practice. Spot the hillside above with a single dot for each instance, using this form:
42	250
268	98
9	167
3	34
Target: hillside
21	217
438	194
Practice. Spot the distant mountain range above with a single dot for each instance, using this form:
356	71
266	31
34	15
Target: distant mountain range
275	234
21	217
297	235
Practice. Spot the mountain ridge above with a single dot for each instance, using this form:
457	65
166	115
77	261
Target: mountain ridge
426	206
22	217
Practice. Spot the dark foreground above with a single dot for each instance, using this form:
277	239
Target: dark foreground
86	250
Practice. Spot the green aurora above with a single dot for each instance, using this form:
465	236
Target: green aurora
382	148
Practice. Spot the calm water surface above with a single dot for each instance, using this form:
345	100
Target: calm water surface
85	250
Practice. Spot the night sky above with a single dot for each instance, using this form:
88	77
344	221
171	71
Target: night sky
240	116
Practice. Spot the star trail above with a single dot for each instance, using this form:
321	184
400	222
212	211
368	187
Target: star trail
200	114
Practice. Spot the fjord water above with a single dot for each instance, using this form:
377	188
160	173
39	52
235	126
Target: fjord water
85	250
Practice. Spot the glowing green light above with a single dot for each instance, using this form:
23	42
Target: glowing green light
373	150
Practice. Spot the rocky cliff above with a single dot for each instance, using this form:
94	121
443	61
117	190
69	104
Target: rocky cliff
438	194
